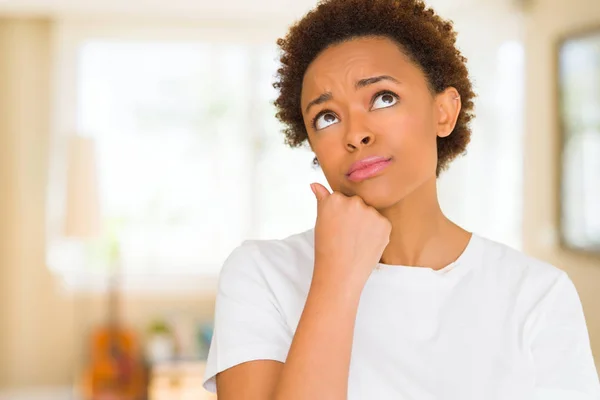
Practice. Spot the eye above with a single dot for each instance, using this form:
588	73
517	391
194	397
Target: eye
384	100
323	120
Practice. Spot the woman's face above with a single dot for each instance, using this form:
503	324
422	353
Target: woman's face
372	120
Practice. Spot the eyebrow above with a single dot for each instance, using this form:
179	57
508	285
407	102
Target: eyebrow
369	81
319	100
359	85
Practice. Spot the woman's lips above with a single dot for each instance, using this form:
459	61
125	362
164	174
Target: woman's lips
367	168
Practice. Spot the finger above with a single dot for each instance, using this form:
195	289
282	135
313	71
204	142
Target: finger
320	191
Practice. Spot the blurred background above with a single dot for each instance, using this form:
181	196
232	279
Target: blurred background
138	147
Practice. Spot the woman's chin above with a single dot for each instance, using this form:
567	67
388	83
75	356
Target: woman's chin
379	201
377	193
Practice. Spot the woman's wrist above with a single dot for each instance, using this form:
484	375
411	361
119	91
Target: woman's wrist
345	288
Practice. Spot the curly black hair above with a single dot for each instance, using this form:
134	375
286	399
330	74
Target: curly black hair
427	39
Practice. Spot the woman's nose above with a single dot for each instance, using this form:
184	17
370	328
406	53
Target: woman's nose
358	136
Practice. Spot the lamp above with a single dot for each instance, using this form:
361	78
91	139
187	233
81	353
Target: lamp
82	219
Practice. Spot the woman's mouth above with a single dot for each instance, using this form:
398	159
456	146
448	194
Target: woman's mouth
367	168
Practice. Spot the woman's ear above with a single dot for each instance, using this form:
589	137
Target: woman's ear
448	106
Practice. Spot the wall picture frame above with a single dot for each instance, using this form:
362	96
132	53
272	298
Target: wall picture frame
578	62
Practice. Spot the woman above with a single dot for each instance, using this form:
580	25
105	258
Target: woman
387	298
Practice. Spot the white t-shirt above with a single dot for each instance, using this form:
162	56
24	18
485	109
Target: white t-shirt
495	324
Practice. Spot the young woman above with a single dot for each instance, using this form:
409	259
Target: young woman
387	298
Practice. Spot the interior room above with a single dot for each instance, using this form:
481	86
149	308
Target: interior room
139	147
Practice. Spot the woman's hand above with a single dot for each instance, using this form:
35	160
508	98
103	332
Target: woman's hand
350	237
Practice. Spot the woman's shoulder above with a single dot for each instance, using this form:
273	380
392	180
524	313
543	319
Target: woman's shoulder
298	245
266	258
504	260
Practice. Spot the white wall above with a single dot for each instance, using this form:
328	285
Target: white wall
546	23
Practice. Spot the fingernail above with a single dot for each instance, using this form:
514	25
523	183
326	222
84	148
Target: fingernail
313	189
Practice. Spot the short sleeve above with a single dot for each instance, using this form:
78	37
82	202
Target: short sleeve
561	349
248	324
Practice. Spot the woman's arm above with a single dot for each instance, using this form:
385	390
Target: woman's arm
349	240
253	380
318	362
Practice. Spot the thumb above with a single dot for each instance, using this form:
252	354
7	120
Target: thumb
320	191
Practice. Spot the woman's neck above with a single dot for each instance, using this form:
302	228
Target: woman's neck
422	236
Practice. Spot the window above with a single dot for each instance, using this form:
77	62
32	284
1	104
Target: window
191	160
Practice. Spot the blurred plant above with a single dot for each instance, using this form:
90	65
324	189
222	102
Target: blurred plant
159	327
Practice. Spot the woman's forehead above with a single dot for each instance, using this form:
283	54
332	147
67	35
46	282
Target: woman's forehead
348	62
357	54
